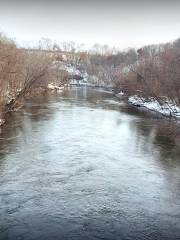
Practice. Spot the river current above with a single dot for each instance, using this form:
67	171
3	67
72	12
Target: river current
82	165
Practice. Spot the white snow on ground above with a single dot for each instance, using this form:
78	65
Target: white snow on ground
2	121
86	79
120	95
72	69
113	102
51	86
167	109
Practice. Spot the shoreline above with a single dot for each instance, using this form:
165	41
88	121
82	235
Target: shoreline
166	110
37	92
151	106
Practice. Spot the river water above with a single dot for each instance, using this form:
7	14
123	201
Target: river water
82	165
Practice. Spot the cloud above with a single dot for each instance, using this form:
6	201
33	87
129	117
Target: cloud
124	23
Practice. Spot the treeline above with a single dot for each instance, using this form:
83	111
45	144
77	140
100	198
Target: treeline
151	72
155	73
104	65
22	71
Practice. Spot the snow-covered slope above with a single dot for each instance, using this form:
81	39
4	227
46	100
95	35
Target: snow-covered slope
168	108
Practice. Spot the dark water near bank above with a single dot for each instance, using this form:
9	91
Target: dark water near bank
81	165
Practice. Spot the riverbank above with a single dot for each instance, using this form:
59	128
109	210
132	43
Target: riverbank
30	95
166	108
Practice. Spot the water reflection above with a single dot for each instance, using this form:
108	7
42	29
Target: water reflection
81	165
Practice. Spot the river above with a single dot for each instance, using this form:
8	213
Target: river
82	165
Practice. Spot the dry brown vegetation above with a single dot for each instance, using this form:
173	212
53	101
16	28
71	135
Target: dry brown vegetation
22	70
152	72
156	73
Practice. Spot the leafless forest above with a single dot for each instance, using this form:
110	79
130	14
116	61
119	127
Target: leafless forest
151	72
22	71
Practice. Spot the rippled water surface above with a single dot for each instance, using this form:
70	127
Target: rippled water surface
81	165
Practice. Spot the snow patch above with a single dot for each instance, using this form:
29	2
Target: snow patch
2	121
114	102
72	69
120	95
168	108
51	86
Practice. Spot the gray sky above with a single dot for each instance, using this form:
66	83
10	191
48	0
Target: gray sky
130	23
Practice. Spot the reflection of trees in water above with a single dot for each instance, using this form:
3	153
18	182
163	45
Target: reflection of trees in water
10	131
150	134
158	138
45	98
90	97
41	107
10	135
34	110
19	126
39	113
156	130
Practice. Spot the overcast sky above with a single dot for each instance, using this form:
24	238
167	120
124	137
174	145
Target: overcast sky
130	23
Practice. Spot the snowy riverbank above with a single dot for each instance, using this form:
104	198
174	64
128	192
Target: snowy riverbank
168	108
